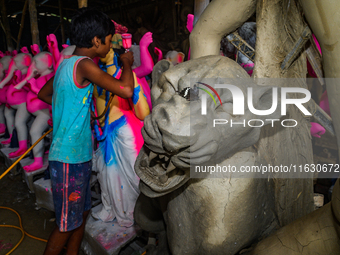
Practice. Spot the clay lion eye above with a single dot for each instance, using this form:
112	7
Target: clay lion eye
190	94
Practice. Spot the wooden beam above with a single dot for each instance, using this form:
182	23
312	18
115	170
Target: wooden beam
52	33
174	18
22	24
3	28
34	22
278	145
6	27
294	53
82	3
63	40
55	7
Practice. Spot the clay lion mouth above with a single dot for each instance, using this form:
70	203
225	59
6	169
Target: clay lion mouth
158	173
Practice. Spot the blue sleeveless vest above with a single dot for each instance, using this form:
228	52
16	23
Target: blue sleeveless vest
72	137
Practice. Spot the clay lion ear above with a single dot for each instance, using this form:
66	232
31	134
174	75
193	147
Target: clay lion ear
159	69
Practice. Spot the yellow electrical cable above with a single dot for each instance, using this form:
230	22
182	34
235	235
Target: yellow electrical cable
22	237
22	156
21	229
7	208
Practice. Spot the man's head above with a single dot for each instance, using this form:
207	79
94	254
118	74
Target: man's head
87	24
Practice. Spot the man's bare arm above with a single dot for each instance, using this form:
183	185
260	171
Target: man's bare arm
46	92
122	87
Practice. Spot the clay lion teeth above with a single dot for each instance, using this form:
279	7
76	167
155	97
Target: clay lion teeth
162	156
163	178
170	167
152	155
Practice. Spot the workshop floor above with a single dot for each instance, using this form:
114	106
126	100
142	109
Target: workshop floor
14	194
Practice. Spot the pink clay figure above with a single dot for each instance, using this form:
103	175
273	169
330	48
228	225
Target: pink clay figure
36	165
96	60
2	119
58	56
24	50
317	130
309	66
4	64
20	62
120	29
248	67
146	65
145	58
127	41
190	27
159	53
8	141
8	53
35	49
20	151
16	99
1	54
50	122
40	110
14	53
324	104
42	65
65	52
190	22
52	45
175	57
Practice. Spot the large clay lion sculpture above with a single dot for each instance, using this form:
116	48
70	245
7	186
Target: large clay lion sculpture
202	216
224	216
214	215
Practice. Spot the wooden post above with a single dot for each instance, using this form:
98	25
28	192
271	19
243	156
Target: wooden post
174	18
6	27
22	24
199	7
82	3
34	22
63	40
276	34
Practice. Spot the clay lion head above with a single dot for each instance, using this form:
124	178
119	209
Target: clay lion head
178	136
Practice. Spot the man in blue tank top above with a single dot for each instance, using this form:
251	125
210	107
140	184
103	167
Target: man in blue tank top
70	93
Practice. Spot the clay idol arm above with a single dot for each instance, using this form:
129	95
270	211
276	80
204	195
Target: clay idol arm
45	94
140	104
145	58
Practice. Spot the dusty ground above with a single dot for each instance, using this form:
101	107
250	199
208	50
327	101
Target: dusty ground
14	193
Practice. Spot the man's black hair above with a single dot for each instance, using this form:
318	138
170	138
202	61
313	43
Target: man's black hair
87	24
